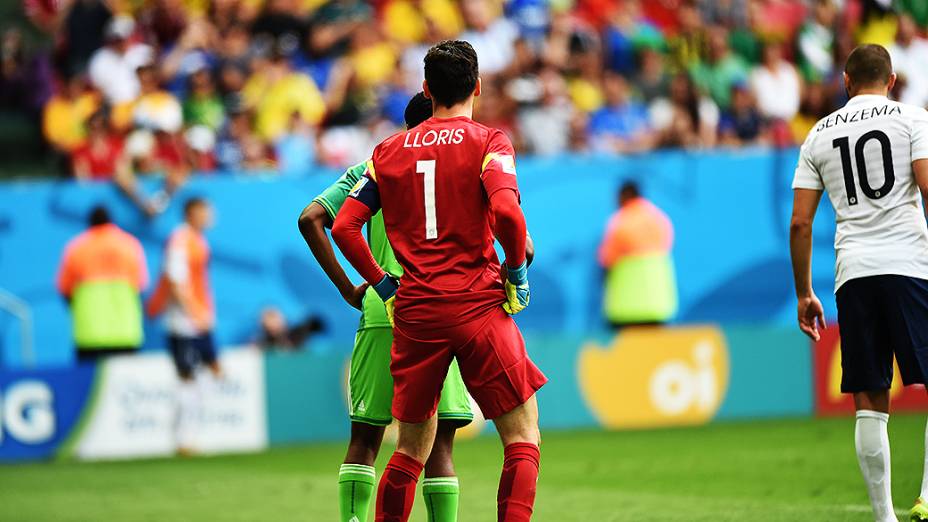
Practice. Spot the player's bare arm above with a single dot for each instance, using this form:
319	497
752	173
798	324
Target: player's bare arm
920	169
810	313
312	222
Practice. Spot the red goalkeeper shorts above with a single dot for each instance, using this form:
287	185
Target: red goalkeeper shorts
491	355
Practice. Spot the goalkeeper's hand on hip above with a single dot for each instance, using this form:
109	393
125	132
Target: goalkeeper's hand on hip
517	292
386	289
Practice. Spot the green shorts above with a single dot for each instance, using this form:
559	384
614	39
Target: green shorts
370	385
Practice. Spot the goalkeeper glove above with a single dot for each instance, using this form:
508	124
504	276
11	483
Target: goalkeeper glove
386	289
517	293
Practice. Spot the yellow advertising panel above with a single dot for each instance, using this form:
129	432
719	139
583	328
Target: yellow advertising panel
651	377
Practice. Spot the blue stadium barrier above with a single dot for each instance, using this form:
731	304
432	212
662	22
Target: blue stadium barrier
730	210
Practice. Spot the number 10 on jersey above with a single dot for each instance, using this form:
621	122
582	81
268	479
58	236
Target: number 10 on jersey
427	168
889	176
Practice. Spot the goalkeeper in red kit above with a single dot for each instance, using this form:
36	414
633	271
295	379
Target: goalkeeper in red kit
446	188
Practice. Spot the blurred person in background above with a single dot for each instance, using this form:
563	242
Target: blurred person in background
745	36
493	37
627	32
295	150
102	275
815	106
497	108
276	334
555	49
26	75
279	22
585	72
82	30
101	154
731	13
743	124
200	143
816	42
65	116
652	79
185	300
641	286
621	125
775	84
238	147
234	55
917	9
877	23
105	155
373	59
721	70
910	62
408	21
333	23
164	21
544	125
686	118
155	109
688	46
113	67
156	145
274	92
193	51
203	105
411	59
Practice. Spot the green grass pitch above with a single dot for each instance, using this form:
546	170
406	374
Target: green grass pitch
785	470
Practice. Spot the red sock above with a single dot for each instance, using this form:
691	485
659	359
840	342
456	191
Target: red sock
516	494
397	489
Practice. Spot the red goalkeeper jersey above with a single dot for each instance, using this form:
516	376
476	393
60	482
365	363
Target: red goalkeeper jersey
433	184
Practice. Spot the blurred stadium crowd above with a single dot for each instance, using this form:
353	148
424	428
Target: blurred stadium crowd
180	86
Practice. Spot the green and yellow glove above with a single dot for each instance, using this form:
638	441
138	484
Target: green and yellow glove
386	289
517	292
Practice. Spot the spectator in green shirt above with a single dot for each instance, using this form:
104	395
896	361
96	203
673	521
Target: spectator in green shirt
917	9
203	105
721	70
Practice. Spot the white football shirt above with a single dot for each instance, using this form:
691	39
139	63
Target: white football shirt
862	156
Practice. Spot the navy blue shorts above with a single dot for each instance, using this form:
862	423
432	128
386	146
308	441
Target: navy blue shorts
881	316
190	352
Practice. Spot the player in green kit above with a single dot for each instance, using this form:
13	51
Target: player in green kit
370	385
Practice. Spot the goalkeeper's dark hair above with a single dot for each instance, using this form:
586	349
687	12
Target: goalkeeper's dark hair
418	110
869	65
451	72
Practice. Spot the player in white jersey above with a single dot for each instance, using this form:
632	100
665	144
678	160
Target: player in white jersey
871	156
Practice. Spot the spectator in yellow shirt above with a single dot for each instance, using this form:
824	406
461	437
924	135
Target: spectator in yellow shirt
65	116
275	92
814	106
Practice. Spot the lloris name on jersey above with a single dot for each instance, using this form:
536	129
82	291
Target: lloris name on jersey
433	137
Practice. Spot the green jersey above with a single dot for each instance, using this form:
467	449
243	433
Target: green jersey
373	313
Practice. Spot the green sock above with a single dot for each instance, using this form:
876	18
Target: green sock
441	498
355	490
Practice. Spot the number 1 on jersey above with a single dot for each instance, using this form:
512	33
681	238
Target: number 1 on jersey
427	168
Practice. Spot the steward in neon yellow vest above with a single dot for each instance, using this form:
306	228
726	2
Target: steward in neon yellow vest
102	274
641	286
